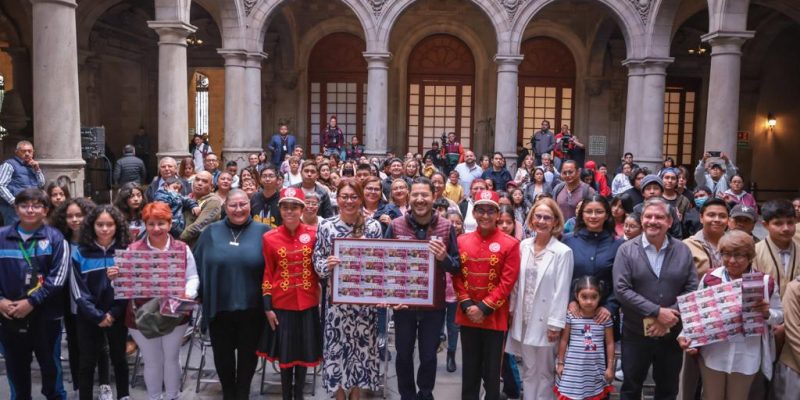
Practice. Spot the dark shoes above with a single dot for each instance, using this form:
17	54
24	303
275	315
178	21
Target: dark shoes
451	361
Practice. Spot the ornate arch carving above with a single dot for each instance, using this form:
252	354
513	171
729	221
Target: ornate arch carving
338	53
547	57
441	54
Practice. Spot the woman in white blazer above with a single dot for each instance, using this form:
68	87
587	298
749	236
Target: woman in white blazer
539	299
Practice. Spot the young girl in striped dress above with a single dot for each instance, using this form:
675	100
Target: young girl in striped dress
585	364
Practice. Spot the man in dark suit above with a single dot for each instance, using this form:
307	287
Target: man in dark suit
281	144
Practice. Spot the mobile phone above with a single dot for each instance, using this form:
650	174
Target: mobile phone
715	153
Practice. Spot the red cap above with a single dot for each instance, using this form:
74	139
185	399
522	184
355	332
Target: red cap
292	195
487	197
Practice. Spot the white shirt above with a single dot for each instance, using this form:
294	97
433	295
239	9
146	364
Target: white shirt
470	224
467	174
655	256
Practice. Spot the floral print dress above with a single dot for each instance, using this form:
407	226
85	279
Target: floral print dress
350	349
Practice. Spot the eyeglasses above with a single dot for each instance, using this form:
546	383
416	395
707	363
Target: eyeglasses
353	198
543	217
735	256
238	206
31	206
268	176
372	189
312	205
484	211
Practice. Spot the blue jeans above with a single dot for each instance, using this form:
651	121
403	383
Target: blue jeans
452	327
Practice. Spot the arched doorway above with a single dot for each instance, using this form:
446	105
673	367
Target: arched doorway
337	75
546	86
441	77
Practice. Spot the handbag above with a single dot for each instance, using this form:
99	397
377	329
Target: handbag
151	323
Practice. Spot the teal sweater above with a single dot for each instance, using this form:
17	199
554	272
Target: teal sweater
230	276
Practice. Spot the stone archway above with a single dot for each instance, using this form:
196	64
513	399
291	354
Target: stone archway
441	82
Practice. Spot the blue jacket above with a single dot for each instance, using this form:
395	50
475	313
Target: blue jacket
276	145
21	177
500	178
50	252
594	254
89	285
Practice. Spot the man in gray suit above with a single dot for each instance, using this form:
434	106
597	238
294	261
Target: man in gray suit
650	272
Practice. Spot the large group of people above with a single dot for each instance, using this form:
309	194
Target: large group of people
544	272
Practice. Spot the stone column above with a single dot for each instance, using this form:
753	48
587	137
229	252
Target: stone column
376	133
632	108
235	101
56	109
722	118
252	138
505	129
644	125
173	97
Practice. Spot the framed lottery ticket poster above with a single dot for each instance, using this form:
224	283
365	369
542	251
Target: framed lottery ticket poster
382	271
147	274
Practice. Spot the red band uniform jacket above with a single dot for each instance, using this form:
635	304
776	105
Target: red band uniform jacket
290	282
489	270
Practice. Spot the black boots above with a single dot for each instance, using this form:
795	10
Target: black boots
451	361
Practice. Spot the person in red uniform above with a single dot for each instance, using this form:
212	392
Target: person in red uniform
489	270
293	336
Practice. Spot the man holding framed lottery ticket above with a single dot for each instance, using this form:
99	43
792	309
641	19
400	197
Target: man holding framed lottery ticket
489	269
425	323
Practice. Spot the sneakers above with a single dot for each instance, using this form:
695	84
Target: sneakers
106	393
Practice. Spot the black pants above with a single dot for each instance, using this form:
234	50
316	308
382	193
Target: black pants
481	356
91	341
422	327
44	340
234	336
639	353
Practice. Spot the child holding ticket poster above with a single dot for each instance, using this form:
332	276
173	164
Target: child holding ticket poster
728	367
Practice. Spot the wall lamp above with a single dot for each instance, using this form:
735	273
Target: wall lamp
771	121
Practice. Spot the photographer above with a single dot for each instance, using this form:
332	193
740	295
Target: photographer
566	144
32	276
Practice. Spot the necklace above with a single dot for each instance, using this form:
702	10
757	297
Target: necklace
235	241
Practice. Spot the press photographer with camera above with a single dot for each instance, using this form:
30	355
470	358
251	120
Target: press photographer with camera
566	144
32	277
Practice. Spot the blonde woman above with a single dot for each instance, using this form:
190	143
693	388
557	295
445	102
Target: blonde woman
539	299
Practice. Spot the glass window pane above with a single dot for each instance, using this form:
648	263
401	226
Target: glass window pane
550	92
466	90
414	89
451	90
566	92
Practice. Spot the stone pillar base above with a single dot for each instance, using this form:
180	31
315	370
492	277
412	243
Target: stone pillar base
67	170
238	154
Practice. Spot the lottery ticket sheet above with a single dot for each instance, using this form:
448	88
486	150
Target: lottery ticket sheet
719	313
380	271
148	274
